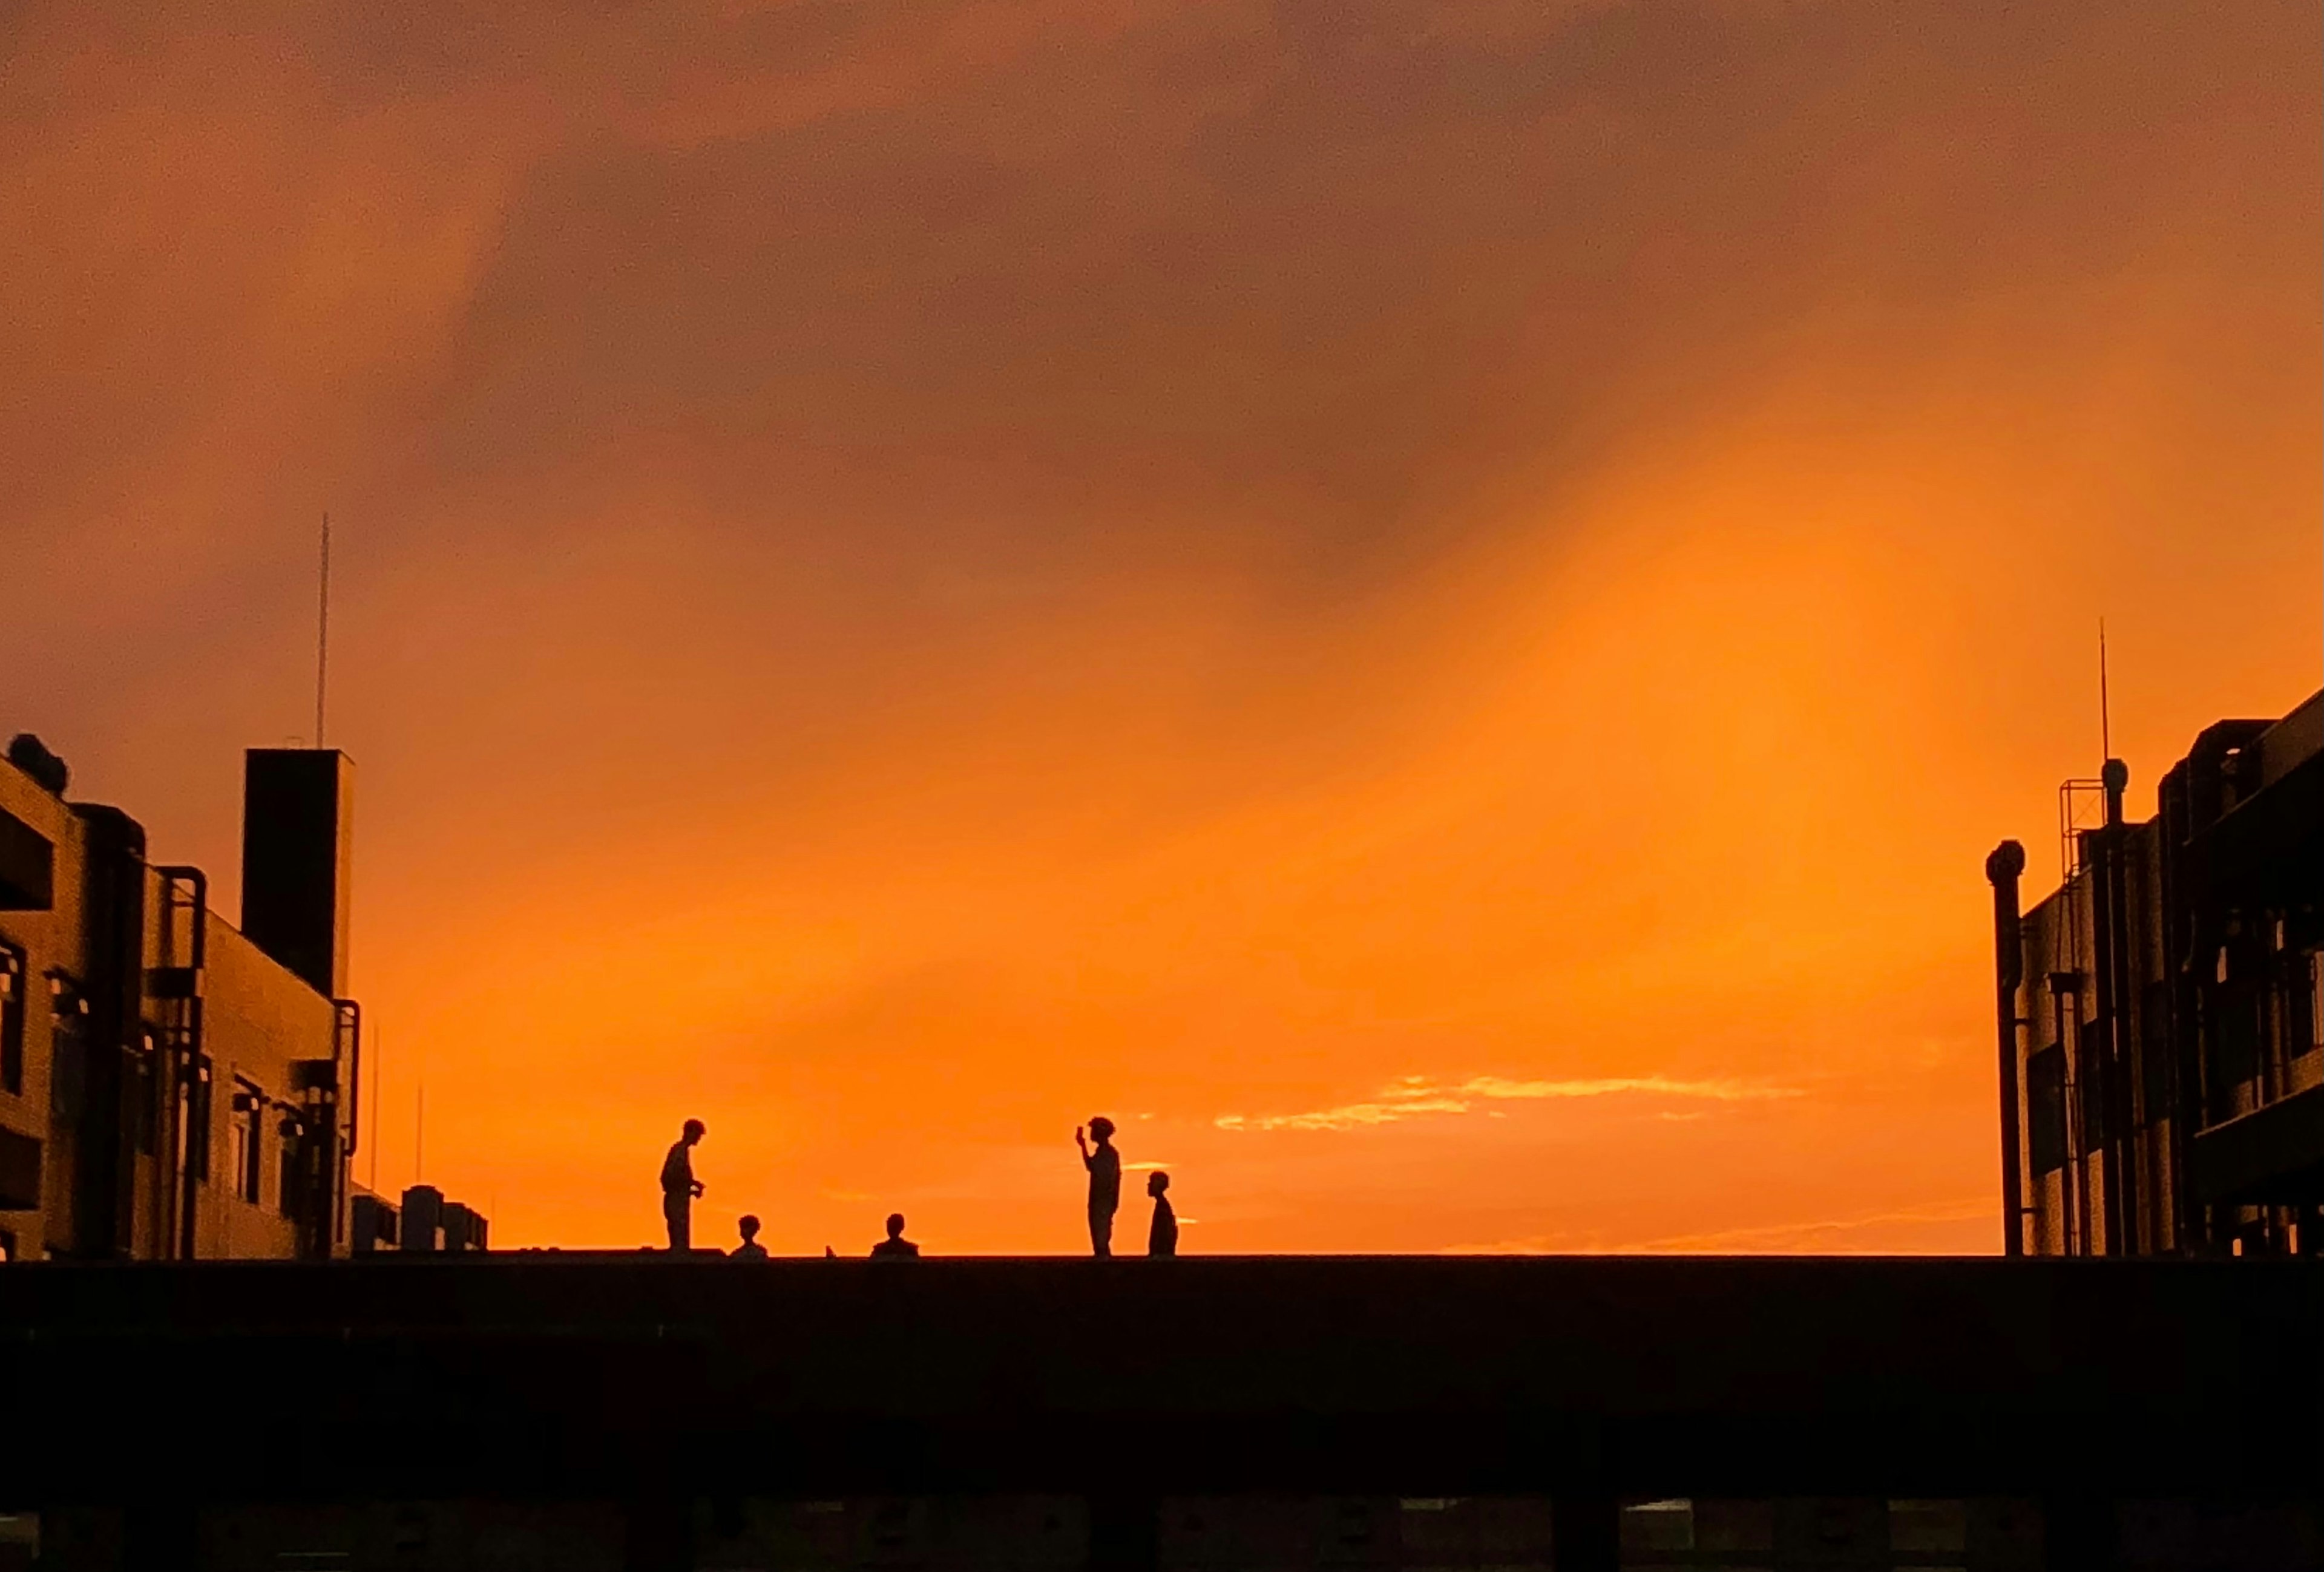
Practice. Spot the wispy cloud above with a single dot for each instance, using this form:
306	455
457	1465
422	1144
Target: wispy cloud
1821	1237
1417	1097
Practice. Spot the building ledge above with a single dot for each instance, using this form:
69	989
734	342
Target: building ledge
2273	1155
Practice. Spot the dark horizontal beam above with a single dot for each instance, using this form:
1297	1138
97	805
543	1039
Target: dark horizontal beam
536	1375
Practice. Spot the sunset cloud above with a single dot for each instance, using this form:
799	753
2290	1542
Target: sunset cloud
1875	1232
1417	1097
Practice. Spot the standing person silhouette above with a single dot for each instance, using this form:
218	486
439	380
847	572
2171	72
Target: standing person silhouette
895	1246
1104	1165
1162	1238
680	1186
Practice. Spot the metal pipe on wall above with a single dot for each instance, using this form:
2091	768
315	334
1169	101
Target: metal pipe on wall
346	1049
113	920
174	1160
2100	848
183	1045
2002	869
2113	967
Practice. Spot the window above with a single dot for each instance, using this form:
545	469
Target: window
2045	1107
2233	1019
1657	1525
146	1075
2303	1021
2155	1051
11	1020
2315	992
2090	1048
193	1094
1734	1525
249	1139
68	1047
1940	1526
293	1191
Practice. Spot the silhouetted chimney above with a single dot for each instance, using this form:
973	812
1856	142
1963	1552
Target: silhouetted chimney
297	842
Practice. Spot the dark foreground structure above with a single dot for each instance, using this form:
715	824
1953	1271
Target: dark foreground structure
173	1087
540	1411
2160	1013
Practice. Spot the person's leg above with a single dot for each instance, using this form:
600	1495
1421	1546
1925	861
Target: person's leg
679	1217
1100	1232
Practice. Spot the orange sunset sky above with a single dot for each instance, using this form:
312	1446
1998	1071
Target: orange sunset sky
1434	605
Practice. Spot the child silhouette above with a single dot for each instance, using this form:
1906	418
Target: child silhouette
1162	1238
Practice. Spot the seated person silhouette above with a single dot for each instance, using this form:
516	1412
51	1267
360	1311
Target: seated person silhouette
750	1249
895	1246
1162	1239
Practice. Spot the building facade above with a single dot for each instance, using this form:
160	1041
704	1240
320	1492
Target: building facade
2160	1012
172	1086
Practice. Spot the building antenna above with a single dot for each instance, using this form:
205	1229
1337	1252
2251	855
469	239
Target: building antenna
2105	723
419	1138
323	632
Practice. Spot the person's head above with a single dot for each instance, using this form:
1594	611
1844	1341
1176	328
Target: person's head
1156	1182
895	1224
694	1131
1101	1128
750	1227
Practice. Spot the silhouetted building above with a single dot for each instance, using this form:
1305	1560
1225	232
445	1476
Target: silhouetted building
170	1086
2160	1013
427	1223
